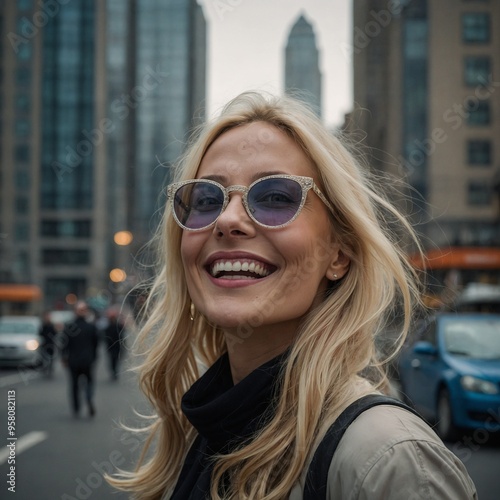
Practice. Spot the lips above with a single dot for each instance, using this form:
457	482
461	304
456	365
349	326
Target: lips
239	268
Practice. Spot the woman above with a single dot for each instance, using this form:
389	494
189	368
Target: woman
276	271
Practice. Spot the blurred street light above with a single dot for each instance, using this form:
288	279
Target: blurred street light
71	299
123	238
117	275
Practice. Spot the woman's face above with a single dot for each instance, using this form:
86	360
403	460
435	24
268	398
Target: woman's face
246	278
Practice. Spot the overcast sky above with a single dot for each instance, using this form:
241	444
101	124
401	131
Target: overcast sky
246	45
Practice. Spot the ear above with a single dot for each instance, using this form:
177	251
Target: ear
338	267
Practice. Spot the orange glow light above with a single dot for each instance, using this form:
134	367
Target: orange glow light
71	298
123	238
117	275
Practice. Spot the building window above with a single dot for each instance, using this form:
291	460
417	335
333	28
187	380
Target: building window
22	179
23	103
21	231
74	228
24	4
22	205
476	27
22	128
22	153
56	289
477	70
479	113
24	52
479	193
58	256
479	152
23	77
22	264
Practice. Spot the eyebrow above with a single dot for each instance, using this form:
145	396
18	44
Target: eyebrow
222	179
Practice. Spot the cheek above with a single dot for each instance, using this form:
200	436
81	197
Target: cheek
309	252
190	250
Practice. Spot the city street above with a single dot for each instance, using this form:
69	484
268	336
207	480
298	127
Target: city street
58	457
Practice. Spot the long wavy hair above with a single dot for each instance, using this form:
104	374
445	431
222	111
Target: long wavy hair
334	357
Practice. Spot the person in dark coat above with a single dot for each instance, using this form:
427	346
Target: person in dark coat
114	335
79	354
48	333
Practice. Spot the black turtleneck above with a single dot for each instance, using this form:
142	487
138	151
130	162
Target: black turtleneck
225	415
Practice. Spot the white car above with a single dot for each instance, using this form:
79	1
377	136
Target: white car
20	341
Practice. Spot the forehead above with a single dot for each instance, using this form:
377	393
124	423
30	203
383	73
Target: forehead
255	149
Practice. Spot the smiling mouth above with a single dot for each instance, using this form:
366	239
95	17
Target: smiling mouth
241	269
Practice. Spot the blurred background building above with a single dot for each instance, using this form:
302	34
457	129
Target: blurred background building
97	99
302	71
427	99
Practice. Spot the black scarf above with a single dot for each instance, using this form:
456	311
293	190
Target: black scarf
225	415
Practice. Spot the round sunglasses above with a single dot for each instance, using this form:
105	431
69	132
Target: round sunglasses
273	201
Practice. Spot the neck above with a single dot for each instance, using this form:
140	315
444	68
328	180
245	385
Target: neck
247	354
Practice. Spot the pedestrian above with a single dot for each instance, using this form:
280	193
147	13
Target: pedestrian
114	335
279	262
48	333
79	354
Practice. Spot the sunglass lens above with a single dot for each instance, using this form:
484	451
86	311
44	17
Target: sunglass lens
197	205
275	201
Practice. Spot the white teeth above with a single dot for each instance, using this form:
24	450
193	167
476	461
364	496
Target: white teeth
235	266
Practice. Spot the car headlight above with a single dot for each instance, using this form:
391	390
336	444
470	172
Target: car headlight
32	345
475	384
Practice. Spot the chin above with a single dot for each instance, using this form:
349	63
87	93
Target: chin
236	320
227	321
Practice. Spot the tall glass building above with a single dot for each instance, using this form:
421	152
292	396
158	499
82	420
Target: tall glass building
71	209
170	86
156	95
98	98
302	72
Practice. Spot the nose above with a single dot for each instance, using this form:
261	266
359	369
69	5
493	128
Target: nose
234	220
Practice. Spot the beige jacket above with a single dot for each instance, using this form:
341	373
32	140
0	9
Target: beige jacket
389	453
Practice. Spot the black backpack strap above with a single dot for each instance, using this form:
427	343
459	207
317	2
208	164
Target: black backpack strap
317	474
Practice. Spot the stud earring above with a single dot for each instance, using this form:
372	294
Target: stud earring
335	276
192	312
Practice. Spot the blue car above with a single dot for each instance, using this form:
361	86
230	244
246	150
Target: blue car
450	372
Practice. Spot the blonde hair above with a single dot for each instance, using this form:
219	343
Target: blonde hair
335	346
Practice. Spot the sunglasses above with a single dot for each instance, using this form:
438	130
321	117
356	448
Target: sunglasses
273	201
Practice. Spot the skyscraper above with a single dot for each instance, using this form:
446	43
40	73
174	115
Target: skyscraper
302	72
98	99
170	67
156	94
424	76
